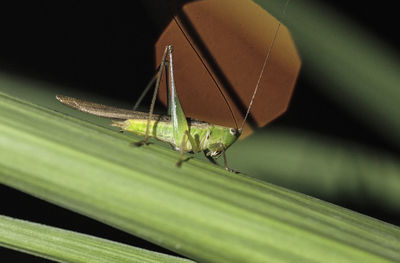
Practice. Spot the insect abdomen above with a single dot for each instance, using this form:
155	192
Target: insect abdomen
159	130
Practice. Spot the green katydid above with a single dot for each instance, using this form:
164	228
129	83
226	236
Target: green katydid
184	134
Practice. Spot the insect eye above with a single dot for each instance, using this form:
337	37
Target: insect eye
233	131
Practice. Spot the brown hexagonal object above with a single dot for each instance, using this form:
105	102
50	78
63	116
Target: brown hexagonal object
219	50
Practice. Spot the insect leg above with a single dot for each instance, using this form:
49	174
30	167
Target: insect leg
153	101
212	160
226	163
149	85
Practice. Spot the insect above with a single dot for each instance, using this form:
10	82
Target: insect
184	134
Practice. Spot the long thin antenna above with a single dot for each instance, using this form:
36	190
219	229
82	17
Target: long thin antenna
264	65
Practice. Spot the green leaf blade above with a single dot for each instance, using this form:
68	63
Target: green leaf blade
199	211
67	246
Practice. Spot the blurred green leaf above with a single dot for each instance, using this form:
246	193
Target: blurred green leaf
356	69
67	246
329	168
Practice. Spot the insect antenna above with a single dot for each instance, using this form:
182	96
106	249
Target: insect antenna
267	57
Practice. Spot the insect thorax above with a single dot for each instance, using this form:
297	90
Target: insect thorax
220	139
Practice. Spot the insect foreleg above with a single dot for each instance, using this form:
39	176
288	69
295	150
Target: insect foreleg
216	150
226	163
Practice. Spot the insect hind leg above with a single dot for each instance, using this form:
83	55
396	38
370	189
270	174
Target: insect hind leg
153	100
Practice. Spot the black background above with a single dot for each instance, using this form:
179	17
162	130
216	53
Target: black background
106	47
